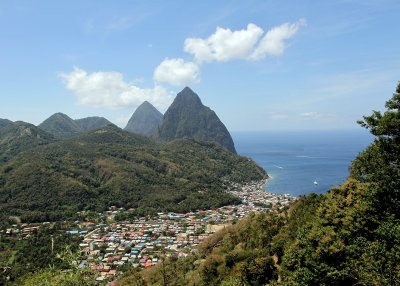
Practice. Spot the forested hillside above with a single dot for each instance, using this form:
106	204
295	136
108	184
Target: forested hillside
108	166
20	136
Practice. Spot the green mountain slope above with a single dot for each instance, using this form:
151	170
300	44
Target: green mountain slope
93	122
144	120
61	126
109	166
188	117
20	136
4	122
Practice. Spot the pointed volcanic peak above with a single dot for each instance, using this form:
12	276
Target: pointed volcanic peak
20	136
188	117
145	119
93	122
4	122
61	126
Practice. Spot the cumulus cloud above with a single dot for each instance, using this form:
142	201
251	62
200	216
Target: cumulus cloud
110	90
273	42
224	45
177	72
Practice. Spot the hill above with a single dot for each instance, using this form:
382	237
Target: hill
61	126
20	136
188	117
108	166
64	127
4	122
93	122
144	120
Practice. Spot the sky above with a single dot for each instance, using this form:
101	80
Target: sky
260	65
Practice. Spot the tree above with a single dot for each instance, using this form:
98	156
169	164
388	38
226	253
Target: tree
379	164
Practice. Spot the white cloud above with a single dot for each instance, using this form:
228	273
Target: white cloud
273	42
109	90
224	45
177	72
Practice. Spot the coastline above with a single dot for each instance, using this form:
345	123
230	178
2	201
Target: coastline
253	194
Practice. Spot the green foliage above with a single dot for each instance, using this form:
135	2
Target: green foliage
379	164
20	136
4	122
89	123
132	277
56	277
108	166
61	126
47	248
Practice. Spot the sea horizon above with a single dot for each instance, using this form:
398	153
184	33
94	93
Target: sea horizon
294	160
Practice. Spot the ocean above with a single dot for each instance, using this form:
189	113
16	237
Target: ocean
295	160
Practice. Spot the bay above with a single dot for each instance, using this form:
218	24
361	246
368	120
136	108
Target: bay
295	160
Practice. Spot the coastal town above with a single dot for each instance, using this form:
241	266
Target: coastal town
143	242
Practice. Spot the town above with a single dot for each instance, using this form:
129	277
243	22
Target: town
143	242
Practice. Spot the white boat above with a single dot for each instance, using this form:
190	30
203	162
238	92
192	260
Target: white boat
315	182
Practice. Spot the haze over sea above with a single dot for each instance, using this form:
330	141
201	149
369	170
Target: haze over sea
295	160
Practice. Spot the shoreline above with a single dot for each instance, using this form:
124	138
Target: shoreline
254	195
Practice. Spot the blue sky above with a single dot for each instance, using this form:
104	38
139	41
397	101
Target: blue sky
261	65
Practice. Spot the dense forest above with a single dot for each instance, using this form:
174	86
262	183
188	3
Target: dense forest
20	136
349	236
46	249
111	167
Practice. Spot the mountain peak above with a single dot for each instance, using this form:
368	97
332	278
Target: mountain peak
21	136
188	117
92	122
61	126
4	122
188	97
144	120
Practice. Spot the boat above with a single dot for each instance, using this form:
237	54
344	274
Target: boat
315	182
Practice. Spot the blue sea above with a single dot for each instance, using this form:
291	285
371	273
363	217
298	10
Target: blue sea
294	160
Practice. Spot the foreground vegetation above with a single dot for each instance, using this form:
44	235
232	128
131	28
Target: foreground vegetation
349	236
47	250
